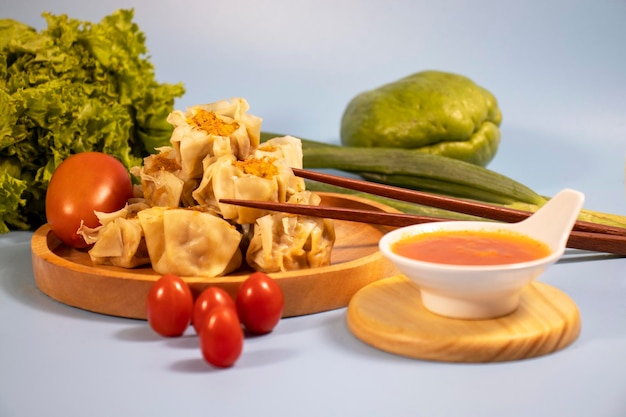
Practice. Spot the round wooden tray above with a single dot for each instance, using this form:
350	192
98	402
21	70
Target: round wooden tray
389	315
68	275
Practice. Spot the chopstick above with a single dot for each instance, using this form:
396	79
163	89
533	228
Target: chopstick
458	205
597	242
337	213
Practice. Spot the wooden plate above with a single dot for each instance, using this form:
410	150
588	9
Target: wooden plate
389	315
68	275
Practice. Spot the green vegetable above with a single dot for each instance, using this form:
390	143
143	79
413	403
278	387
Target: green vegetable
432	112
73	87
415	170
402	206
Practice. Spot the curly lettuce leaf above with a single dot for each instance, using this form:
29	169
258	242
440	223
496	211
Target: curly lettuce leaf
11	203
73	87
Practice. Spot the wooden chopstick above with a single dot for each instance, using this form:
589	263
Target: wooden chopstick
337	213
597	242
458	205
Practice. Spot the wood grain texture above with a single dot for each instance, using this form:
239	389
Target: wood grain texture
67	275
389	315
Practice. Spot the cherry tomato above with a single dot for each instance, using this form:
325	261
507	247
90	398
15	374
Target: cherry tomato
221	337
260	303
208	299
169	306
82	183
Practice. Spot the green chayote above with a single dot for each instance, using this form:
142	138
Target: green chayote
431	111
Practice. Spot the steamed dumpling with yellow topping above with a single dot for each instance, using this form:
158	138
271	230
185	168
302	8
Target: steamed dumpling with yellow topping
263	177
216	129
161	180
287	149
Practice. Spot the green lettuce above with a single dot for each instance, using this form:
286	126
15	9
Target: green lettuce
73	87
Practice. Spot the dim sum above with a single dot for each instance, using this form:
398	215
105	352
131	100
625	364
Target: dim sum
216	129
286	242
160	178
190	242
264	176
118	240
179	225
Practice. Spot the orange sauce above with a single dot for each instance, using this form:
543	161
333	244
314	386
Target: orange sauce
469	247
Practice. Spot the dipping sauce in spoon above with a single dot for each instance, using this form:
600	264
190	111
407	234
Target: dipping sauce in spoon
471	247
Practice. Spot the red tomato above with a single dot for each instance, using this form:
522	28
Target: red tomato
169	306
260	303
83	183
221	337
210	298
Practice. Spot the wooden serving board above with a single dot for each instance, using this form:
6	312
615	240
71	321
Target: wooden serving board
68	275
389	315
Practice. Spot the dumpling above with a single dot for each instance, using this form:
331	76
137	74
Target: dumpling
160	178
287	148
216	129
286	242
265	176
120	243
237	111
287	152
118	240
190	242
228	178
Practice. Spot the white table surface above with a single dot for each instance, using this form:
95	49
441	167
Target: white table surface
558	69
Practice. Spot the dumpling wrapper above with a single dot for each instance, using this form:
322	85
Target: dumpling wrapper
224	179
286	242
118	240
216	129
265	176
288	148
120	243
287	153
160	178
237	110
189	242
